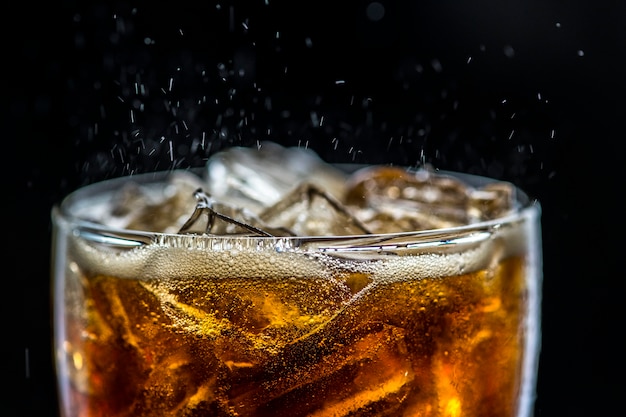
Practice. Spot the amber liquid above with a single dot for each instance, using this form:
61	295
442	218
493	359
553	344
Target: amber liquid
444	346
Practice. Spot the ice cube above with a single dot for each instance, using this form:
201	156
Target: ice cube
164	210
391	199
367	364
221	219
491	201
256	178
310	211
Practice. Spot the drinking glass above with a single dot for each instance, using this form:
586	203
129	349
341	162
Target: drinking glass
437	322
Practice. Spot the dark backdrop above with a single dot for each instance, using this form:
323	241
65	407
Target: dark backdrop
528	91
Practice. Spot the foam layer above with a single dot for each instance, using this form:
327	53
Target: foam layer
187	257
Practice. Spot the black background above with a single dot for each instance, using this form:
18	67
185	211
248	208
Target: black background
528	91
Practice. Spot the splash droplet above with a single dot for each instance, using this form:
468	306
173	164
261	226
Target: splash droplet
509	51
375	11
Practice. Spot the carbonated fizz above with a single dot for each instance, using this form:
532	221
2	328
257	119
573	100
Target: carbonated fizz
270	283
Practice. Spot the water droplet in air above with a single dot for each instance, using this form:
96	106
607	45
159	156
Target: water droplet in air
509	51
375	11
436	64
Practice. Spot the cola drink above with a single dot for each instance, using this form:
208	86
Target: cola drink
270	283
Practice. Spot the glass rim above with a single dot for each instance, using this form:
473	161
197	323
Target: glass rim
116	236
